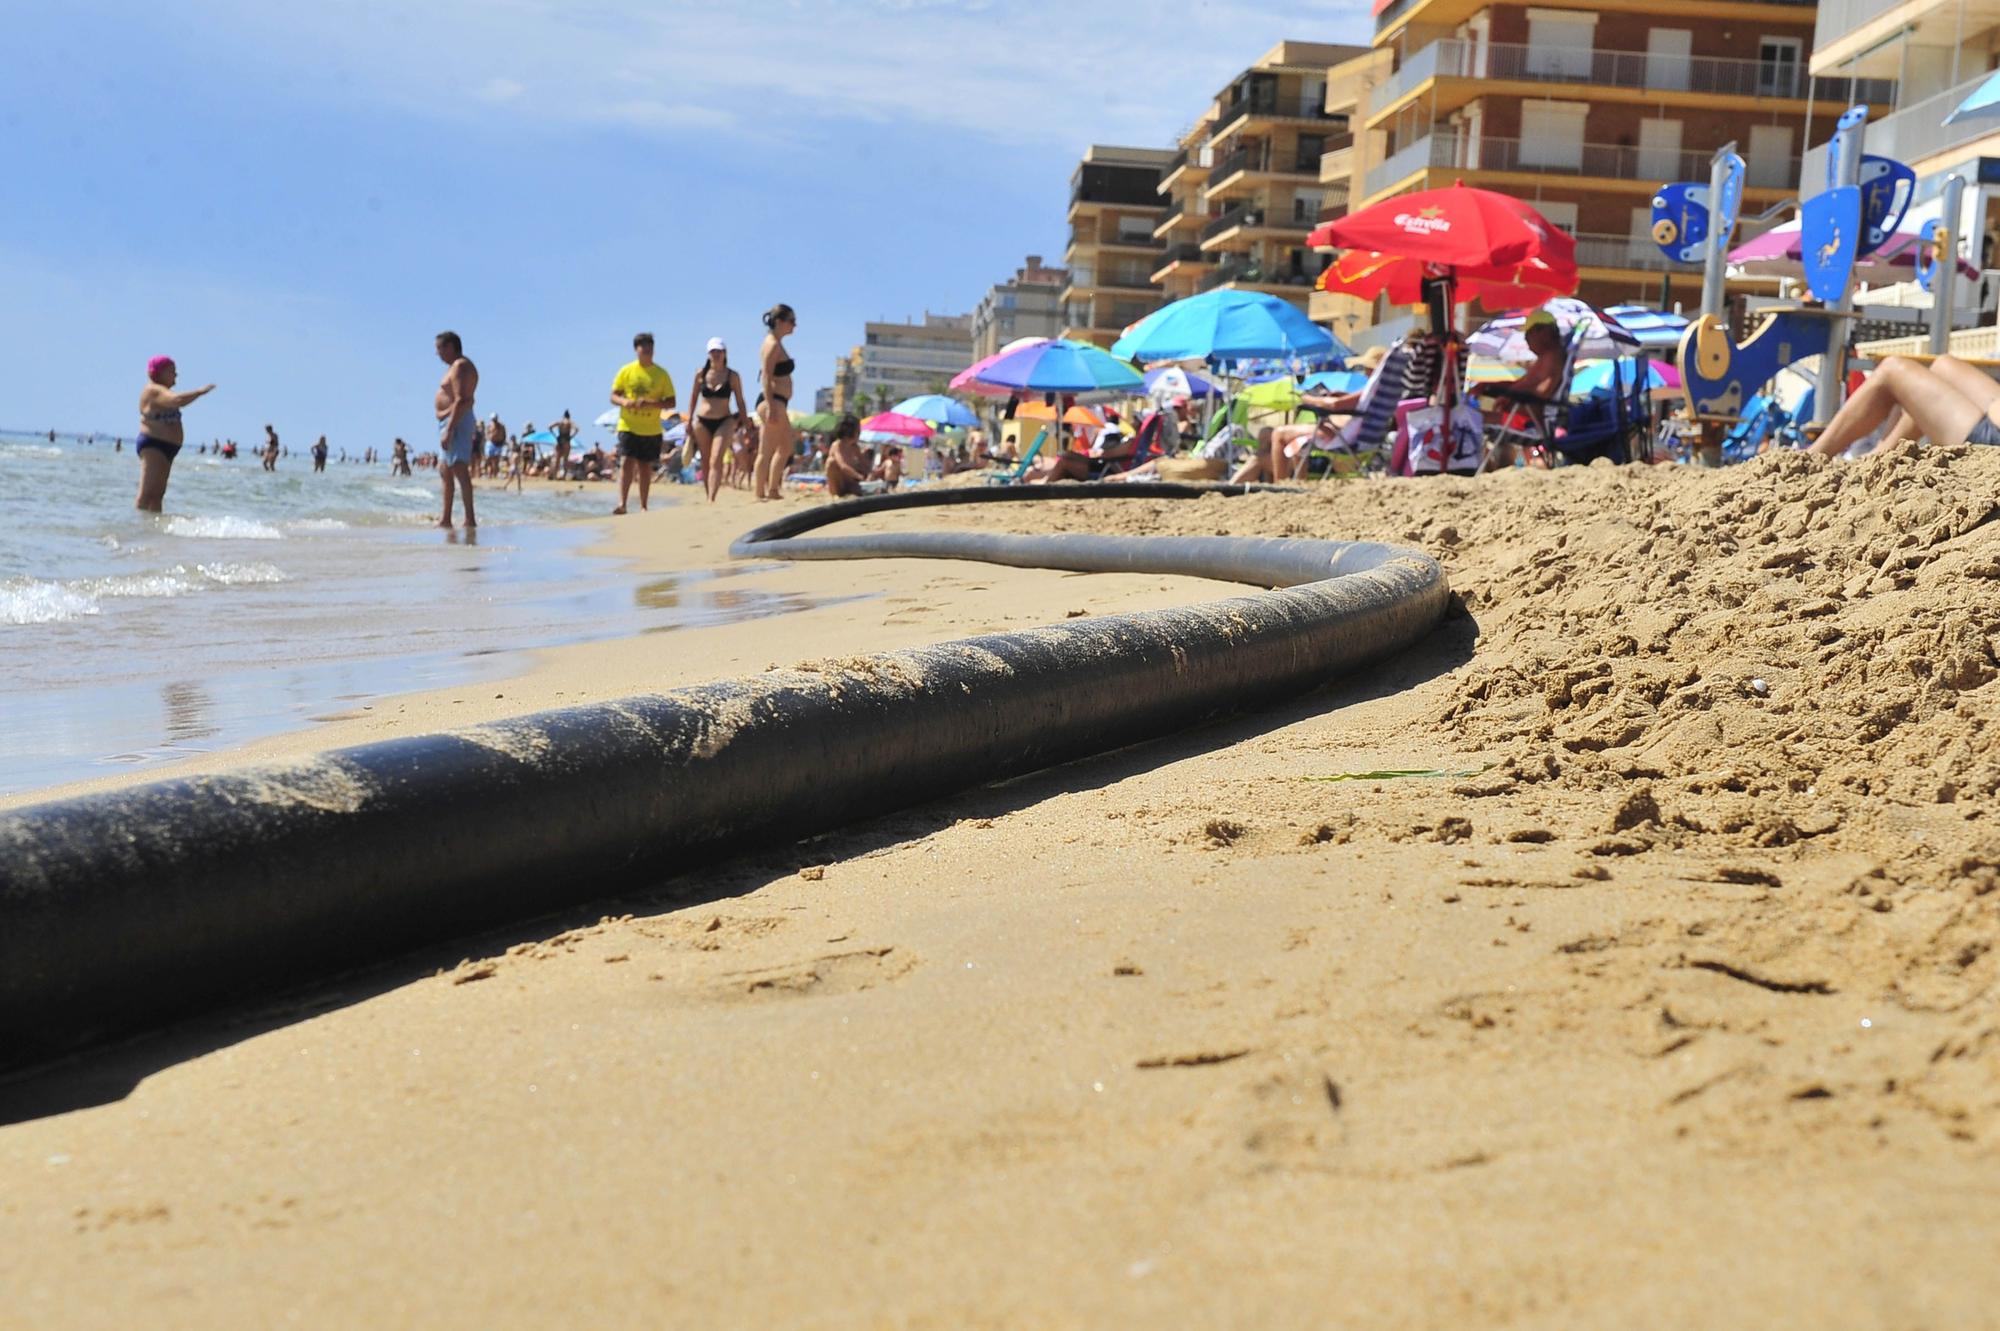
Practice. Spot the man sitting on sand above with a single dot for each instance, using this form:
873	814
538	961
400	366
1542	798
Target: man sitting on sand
1947	401
846	468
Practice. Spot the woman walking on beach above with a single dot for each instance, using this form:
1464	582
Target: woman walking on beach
775	443
160	431
714	422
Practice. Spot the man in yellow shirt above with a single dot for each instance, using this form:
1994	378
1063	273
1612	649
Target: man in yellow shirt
641	392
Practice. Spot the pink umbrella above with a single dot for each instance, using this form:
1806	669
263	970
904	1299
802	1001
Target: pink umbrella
1777	254
968	380
891	422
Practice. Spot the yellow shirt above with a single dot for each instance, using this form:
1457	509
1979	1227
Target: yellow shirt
649	381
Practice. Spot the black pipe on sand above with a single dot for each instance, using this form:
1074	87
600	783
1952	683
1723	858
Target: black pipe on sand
121	911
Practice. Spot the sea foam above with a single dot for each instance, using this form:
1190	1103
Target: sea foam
224	528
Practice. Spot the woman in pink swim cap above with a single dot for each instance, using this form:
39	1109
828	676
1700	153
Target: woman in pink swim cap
160	434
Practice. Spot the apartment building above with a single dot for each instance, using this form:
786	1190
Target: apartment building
1027	305
1934	53
1267	132
1181	265
1584	110
899	360
1343	173
1113	204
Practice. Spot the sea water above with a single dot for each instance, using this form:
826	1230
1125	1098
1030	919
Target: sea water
260	600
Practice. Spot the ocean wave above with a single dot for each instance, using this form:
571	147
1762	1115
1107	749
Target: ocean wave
29	601
33	450
232	575
223	529
317	524
36	601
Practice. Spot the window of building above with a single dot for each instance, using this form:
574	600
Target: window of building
1305	206
1770	157
1552	134
1778	66
1559	42
1659	150
1669	53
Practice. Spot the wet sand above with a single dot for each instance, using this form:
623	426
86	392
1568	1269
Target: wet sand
1664	996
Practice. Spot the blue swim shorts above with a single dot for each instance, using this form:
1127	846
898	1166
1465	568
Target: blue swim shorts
459	445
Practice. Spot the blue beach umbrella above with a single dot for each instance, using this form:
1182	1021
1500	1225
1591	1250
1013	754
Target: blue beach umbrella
937	409
1224	325
1335	381
1983	104
1597	374
1058	365
539	437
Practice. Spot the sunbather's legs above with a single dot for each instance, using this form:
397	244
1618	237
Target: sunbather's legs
1935	406
1259	467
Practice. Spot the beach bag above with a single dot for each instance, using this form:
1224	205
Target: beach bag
1455	443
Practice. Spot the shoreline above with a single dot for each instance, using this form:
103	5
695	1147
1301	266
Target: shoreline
1546	970
843	609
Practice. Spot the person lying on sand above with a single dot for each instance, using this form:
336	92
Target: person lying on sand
1947	401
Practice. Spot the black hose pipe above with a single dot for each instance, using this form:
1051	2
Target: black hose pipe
123	910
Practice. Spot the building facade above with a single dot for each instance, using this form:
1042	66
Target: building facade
1267	133
1585	110
1343	173
1114	204
899	360
1027	305
1936	52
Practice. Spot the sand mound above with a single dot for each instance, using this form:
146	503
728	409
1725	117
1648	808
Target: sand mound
1763	696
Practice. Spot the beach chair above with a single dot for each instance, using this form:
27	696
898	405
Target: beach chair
1019	472
1760	419
1362	445
1529	422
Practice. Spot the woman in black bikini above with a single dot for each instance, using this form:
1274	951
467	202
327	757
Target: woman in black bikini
160	431
714	384
775	446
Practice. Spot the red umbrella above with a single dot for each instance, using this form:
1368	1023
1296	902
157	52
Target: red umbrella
1496	249
1457	227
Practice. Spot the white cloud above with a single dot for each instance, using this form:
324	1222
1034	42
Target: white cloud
1025	72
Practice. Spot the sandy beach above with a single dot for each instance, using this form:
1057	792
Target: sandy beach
1660	991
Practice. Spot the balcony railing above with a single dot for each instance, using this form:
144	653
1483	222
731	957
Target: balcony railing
1597	250
1246	216
1454	57
1285	108
1240	268
1188	252
1259	157
1909	134
1169	218
1649	166
1837	18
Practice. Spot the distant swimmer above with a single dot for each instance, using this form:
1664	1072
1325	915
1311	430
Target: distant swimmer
319	454
399	464
641	390
160	434
270	454
775	439
458	427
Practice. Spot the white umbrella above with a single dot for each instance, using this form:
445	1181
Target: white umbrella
609	418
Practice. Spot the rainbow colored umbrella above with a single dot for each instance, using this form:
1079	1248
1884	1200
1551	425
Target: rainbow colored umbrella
1054	365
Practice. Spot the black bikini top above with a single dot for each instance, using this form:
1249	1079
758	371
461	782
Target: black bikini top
782	369
706	391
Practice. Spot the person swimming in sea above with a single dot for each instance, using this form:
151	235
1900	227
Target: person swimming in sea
160	431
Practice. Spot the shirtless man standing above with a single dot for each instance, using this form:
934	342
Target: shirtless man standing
458	427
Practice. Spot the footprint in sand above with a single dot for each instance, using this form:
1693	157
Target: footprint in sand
835	973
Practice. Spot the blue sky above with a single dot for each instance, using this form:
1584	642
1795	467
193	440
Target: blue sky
291	199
